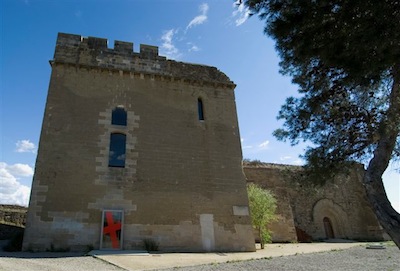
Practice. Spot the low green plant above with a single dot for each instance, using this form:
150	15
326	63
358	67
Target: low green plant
249	162
60	249
390	243
30	248
89	248
234	261
267	258
150	245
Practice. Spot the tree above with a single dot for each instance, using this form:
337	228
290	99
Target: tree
262	208
344	55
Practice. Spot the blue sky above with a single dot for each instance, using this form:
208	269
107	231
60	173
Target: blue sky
213	32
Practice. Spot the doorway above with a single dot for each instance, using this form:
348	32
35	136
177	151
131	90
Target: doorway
328	228
111	229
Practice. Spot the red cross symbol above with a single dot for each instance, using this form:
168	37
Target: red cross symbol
112	229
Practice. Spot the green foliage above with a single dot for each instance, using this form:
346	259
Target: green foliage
57	249
262	207
353	36
89	248
345	58
150	245
344	55
253	162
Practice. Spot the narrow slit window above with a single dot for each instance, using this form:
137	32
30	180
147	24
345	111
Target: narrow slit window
200	109
119	116
117	150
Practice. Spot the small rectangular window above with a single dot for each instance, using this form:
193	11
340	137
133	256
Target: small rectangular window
200	109
119	116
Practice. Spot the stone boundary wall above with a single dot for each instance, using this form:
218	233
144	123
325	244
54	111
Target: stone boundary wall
13	215
342	200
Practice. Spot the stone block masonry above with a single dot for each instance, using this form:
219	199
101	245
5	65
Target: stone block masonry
93	52
123	147
337	209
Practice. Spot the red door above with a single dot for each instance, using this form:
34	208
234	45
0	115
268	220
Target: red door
111	232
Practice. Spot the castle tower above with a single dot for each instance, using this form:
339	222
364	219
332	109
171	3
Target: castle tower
137	147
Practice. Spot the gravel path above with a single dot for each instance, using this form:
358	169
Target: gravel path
52	262
353	259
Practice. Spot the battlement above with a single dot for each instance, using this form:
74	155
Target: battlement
94	43
94	52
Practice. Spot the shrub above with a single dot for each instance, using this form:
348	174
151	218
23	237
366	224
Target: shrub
150	245
262	208
60	249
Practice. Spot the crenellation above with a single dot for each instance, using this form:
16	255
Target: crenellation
96	43
148	51
64	39
93	52
123	46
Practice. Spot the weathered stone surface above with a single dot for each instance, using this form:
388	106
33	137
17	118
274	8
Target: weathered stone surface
178	171
93	52
13	215
303	207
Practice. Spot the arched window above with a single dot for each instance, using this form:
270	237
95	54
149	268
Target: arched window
119	116
200	109
117	150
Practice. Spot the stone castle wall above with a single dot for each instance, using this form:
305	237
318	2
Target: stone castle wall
303	207
182	184
12	215
93	52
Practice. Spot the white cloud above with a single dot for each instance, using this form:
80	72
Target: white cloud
204	8
200	19
241	13
285	158
298	162
174	38
242	140
11	190
264	144
396	205
168	44
289	160
25	145
193	48
18	169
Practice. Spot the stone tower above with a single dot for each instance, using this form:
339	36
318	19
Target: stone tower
137	147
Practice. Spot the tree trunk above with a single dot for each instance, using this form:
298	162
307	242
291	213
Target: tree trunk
261	238
387	216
